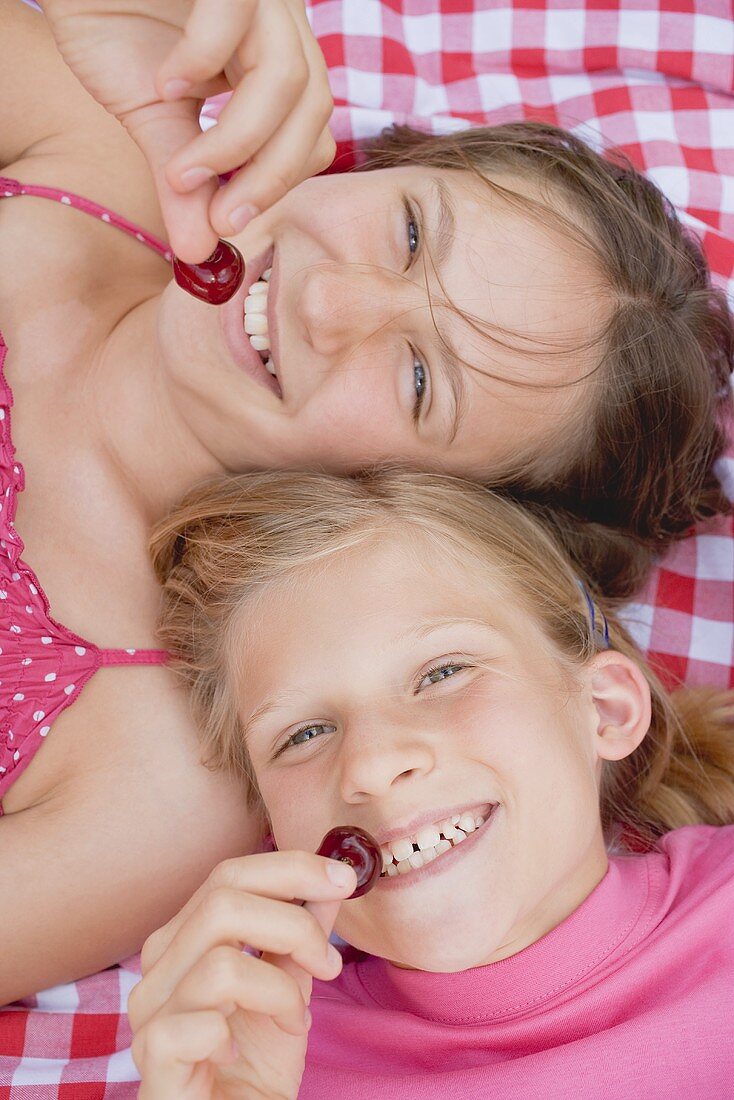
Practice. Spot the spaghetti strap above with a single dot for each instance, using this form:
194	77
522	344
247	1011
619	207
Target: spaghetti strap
133	657
10	188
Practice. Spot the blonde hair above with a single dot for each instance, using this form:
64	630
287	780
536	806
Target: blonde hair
230	539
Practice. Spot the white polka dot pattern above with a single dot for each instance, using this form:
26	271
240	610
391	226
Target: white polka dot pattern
43	666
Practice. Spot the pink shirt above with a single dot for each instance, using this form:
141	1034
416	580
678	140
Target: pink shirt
630	998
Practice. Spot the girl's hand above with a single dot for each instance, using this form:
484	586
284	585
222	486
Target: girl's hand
213	1023
151	63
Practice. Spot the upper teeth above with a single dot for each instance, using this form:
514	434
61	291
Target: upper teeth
256	317
400	856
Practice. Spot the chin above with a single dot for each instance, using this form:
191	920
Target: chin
442	959
450	950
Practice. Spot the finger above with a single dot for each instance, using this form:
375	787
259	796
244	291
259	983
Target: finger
233	918
260	102
226	979
287	160
171	1049
324	912
160	131
302	147
212	33
286	876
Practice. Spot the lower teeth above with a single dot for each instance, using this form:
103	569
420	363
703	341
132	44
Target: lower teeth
419	859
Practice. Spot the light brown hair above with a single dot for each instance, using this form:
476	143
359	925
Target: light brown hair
228	541
642	472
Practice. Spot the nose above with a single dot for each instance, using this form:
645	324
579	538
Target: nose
342	305
375	757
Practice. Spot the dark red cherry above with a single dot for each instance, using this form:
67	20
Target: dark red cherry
359	849
215	280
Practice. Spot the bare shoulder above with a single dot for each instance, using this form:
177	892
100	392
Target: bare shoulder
134	722
119	841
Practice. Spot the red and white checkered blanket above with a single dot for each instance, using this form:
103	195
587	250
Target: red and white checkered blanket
655	77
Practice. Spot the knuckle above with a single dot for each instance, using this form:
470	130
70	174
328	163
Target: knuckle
202	56
300	864
137	1050
220	967
135	1003
296	926
291	73
151	951
291	995
217	905
157	1038
225	873
325	153
325	108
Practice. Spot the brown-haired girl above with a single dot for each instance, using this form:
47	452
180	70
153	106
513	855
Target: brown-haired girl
414	656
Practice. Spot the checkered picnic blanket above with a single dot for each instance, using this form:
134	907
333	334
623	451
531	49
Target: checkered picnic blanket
655	77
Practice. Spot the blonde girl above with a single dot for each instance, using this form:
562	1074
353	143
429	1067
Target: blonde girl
414	655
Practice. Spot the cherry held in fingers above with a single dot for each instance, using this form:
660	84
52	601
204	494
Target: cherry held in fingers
215	280
359	849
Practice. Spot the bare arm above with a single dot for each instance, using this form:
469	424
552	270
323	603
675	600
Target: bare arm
56	129
39	97
128	833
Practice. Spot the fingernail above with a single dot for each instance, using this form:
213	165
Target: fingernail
174	88
241	215
340	873
194	177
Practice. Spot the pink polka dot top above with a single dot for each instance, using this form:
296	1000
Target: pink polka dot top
43	665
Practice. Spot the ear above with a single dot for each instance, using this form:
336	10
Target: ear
621	697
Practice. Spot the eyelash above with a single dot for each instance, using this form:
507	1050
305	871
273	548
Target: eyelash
412	220
441	667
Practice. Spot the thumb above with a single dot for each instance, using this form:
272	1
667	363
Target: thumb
160	130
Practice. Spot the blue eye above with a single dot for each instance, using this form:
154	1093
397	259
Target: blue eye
420	373
412	227
306	730
439	673
413	234
419	384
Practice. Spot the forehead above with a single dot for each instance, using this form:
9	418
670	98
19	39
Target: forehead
513	235
368	602
533	297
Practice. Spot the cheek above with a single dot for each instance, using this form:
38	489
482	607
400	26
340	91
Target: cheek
354	419
185	330
287	809
512	731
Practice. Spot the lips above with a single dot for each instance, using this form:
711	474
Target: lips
443	862
233	332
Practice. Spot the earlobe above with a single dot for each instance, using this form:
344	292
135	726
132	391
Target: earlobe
621	696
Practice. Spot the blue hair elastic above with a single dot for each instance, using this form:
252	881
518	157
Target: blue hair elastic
602	635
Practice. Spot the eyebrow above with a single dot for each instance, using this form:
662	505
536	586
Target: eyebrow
430	626
415	633
449	360
268	707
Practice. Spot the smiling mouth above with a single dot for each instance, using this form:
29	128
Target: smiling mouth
256	320
237	340
431	842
